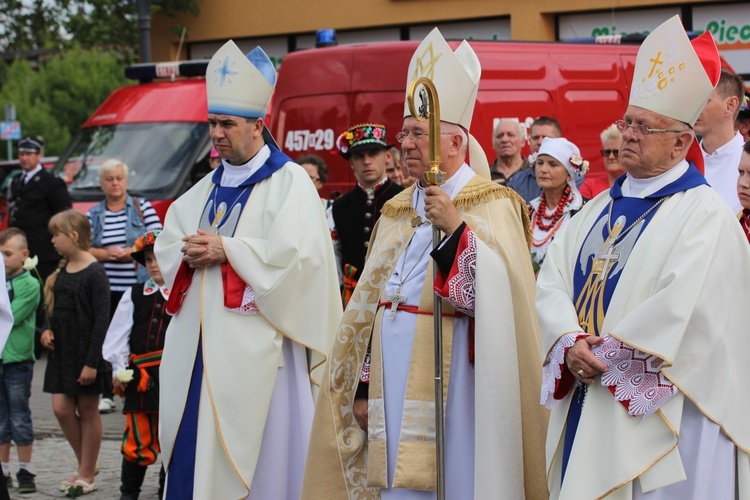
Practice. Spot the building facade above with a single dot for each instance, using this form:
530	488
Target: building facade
287	25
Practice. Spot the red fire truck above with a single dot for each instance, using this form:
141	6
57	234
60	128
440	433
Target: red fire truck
159	129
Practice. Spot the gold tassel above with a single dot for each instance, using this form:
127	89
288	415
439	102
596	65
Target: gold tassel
400	205
477	191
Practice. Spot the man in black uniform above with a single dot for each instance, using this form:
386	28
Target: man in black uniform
35	196
353	215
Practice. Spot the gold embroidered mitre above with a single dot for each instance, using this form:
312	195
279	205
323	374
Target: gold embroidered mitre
456	78
455	75
673	76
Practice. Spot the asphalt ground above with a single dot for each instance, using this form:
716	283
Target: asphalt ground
53	459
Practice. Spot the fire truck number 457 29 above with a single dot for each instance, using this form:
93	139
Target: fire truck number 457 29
303	140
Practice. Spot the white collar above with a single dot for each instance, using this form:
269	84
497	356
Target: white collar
452	186
640	188
736	142
234	175
371	190
31	173
150	287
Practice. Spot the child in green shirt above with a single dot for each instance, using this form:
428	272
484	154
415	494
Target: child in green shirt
17	364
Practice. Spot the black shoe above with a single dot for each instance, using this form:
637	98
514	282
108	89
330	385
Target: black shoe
9	481
131	479
26	482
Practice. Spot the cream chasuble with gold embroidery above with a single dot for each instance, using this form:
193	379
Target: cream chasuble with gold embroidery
505	431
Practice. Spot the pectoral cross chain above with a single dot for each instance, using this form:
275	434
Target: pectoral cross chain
396	299
609	258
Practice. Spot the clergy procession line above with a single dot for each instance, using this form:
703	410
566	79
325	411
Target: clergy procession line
586	338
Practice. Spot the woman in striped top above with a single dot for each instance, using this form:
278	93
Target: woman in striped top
116	222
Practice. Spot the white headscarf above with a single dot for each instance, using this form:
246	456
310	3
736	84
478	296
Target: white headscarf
569	156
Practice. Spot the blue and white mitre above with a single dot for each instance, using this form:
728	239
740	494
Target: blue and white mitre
239	85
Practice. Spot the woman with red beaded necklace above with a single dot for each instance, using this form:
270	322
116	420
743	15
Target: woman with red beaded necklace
557	164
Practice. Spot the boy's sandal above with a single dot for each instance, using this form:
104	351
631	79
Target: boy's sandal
80	488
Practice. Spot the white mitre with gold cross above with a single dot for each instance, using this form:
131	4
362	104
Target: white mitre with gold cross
456	79
239	85
455	75
673	76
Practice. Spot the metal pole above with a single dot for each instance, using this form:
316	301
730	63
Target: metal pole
10	116
435	177
144	28
439	424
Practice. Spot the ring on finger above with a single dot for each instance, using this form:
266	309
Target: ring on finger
581	373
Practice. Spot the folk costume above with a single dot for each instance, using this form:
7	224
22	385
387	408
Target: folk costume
352	216
547	221
744	218
494	427
640	266
235	420
134	345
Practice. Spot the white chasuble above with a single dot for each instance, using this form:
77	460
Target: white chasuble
680	282
256	389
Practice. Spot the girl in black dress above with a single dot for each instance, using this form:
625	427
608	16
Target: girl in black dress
77	296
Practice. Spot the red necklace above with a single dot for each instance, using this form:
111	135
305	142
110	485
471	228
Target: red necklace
541	213
745	221
549	235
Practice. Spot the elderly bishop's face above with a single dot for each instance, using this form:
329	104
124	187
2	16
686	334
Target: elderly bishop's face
649	154
415	147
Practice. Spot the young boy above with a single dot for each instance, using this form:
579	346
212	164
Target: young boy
17	364
133	345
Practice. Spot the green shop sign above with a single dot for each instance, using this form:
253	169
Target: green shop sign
726	33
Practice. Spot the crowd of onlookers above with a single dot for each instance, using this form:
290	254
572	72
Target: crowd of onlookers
554	179
84	270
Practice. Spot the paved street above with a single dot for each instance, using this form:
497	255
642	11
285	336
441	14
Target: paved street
53	459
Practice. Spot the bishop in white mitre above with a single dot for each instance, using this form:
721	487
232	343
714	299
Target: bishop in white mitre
255	301
374	434
642	304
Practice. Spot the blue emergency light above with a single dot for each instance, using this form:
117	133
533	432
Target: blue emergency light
325	38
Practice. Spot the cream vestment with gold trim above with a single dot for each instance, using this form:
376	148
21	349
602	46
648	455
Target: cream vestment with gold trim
509	426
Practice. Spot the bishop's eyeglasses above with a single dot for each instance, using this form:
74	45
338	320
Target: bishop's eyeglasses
640	129
415	135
